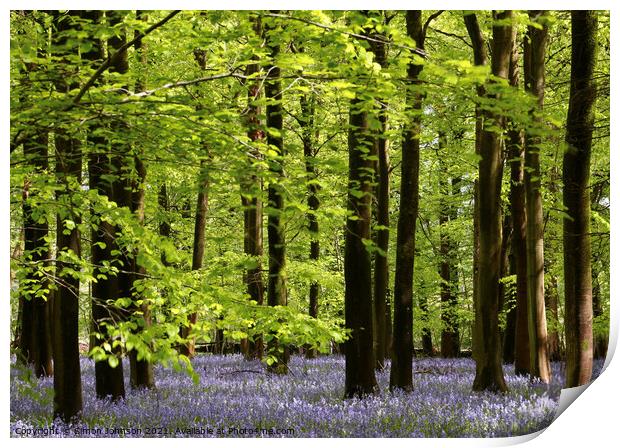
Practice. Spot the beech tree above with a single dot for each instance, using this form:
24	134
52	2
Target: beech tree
576	195
309	136
534	74
276	291
104	166
68	155
516	154
251	196
381	300
35	332
401	376
479	47
489	372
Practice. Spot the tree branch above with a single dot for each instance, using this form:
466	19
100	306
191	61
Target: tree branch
429	20
347	33
112	58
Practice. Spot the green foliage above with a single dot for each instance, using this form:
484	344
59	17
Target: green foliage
174	127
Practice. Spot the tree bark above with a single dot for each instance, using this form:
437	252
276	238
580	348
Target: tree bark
600	340
401	373
480	58
510	331
188	348
427	336
109	381
450	338
309	135
381	274
276	291
252	205
34	318
359	355
35	336
534	74
576	196
66	354
140	370
516	155
489	373
551	303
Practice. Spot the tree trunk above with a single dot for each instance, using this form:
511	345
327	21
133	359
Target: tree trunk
18	252
510	331
310	154
35	303
381	274
359	355
140	370
164	228
480	58
401	373
503	272
252	187
108	380
276	292
600	340
489	373
576	179
65	314
427	336
534	74
450	342
35	337
67	379
202	202
516	155
551	303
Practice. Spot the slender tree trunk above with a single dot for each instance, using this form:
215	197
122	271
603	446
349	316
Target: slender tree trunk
109	380
401	373
67	379
480	58
516	155
188	348
516	338
510	332
17	253
65	314
252	205
450	338
164	228
551	303
310	153
489	373
503	272
381	274
600	340
140	370
35	337
427	336
534	74
276	293
359	355
34	319
576	179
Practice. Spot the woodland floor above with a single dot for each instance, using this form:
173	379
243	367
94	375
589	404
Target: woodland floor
237	398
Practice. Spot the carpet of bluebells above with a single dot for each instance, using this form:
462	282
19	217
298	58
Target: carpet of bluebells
238	398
